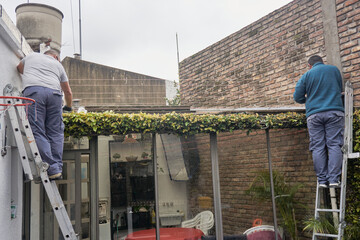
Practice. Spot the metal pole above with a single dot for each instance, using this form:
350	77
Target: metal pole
216	186
129	219
271	183
80	29
177	51
156	205
78	227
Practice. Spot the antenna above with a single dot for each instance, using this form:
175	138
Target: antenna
80	29
177	50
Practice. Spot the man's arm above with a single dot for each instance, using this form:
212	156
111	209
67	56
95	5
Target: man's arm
67	92
300	91
20	67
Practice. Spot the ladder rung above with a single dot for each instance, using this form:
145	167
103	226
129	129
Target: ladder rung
354	155
327	210
326	235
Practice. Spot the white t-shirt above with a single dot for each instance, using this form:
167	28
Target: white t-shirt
43	70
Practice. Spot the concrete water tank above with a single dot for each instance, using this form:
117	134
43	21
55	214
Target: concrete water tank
38	23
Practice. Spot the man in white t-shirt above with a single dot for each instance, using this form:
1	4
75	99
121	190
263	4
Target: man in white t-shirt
45	81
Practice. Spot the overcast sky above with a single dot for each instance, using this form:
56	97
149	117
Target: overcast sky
140	35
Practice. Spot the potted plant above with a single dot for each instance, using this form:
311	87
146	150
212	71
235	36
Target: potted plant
144	155
116	157
285	201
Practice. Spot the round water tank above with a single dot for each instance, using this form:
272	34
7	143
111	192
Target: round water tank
39	23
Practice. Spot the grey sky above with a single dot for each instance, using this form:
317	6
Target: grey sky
140	35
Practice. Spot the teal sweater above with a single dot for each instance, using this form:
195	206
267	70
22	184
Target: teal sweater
320	89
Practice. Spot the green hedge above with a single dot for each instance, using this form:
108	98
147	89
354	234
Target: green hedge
107	123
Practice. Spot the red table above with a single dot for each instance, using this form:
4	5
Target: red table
167	234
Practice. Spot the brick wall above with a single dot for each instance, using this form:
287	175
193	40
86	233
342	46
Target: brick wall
259	65
240	156
348	17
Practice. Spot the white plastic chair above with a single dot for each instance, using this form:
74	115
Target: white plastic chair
203	221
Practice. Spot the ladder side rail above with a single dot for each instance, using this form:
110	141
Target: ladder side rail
58	207
317	206
29	134
13	117
348	144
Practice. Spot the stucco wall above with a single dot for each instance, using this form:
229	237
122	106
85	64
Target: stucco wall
11	176
99	85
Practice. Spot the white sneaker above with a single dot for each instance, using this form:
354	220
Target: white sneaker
323	185
56	176
335	185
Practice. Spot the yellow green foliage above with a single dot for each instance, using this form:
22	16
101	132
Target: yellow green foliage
107	123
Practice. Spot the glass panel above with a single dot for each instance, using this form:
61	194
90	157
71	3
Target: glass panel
71	171
132	182
84	171
85	213
85	191
65	172
63	191
85	227
184	191
71	143
244	166
72	212
184	188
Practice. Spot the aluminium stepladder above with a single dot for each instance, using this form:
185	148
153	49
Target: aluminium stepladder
33	166
339	213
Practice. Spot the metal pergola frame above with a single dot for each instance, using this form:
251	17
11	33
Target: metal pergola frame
216	186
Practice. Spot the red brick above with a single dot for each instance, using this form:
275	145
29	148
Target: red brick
349	2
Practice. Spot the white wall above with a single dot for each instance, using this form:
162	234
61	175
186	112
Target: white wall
172	195
11	183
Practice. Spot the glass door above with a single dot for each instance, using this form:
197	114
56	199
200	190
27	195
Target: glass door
75	189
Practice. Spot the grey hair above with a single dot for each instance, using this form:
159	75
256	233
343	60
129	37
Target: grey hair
52	52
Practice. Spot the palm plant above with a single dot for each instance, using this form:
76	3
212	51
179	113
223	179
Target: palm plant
319	225
285	197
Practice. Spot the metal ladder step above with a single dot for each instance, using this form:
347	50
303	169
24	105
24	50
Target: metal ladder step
325	235
328	210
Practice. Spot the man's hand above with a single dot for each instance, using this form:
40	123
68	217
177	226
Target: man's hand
67	109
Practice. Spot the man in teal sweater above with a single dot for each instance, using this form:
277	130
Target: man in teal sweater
320	89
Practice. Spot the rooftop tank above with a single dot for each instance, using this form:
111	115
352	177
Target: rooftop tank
40	23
